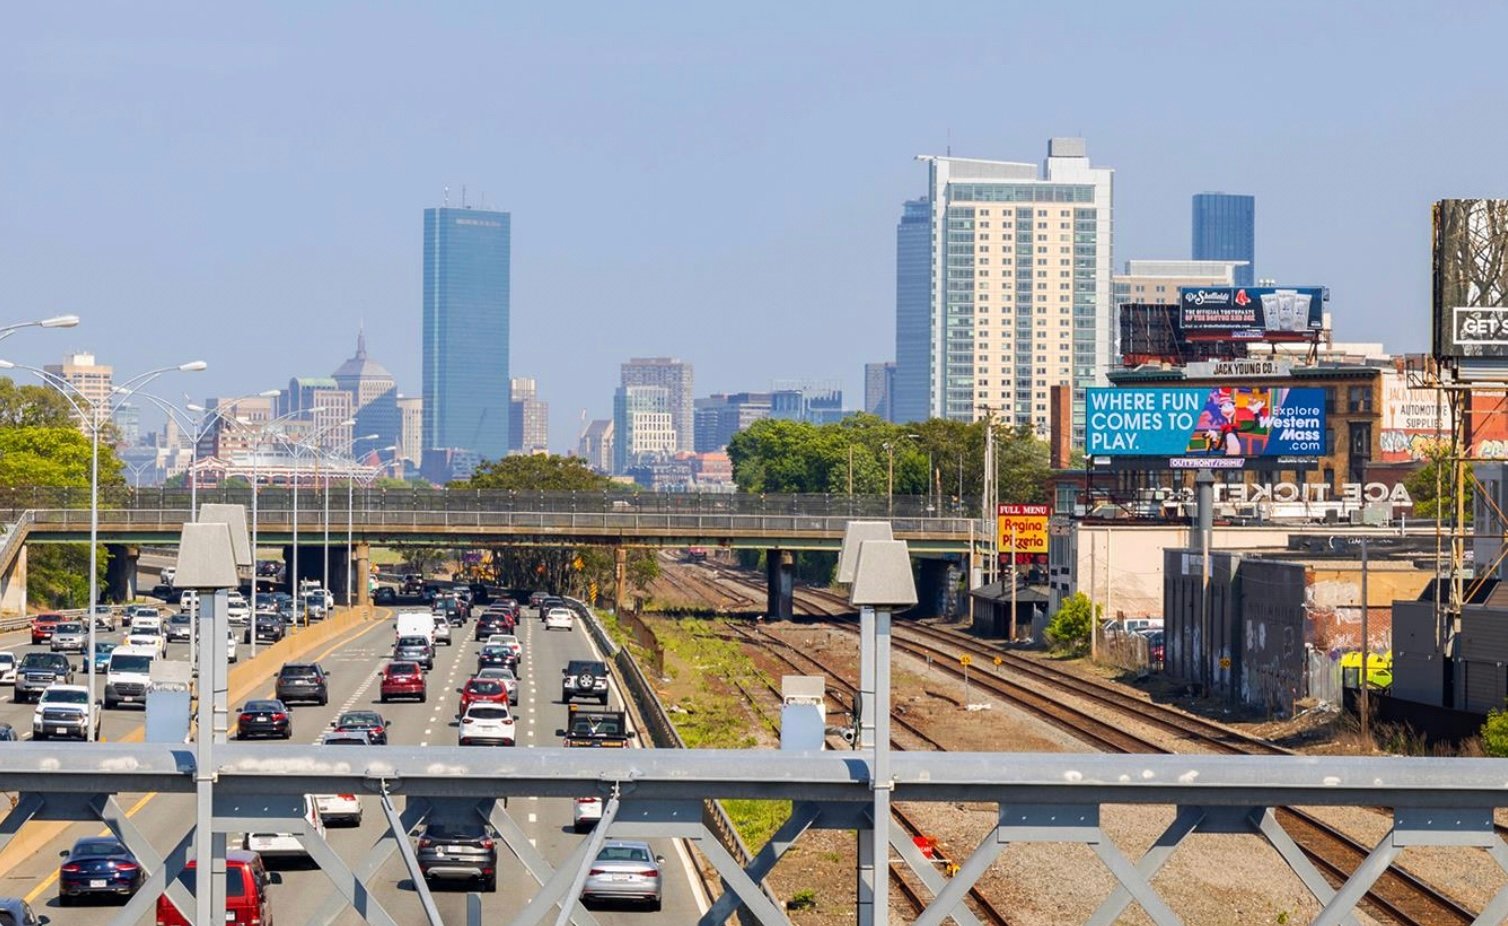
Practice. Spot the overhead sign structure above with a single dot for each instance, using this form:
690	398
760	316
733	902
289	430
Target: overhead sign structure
1023	532
1224	422
1470	287
1252	313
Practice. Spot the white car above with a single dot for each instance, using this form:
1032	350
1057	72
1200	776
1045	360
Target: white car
287	844
442	631
230	645
559	619
486	723
64	711
7	668
587	813
237	611
104	618
153	641
345	808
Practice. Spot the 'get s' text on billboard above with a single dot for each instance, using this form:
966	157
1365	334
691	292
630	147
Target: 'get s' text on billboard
1237	422
1470	290
1023	532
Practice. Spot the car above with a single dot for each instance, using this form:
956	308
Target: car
179	628
458	851
486	723
510	641
102	651
230	646
369	723
7	668
403	679
586	813
481	690
414	649
287	845
1156	649
167	594
505	675
349	738
495	655
168	574
342	808
625	870
148	640
104	618
265	717
489	625
134	611
584	678
128	676
269	628
442	631
385	595
66	712
69	636
38	671
559	619
42	627
303	681
246	899
237	611
97	865
413	584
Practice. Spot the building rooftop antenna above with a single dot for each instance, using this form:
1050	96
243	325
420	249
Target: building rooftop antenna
445	200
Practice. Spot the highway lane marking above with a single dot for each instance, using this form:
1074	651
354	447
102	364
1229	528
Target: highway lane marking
534	817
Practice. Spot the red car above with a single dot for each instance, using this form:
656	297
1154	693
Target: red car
402	680
42	627
483	690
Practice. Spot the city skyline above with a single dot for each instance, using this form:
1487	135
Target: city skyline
189	146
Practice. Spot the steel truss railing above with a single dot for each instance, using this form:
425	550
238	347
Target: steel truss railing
659	793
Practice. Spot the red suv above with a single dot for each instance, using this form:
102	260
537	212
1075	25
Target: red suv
246	882
483	690
42	627
402	680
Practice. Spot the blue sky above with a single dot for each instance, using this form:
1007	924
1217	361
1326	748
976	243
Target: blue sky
718	182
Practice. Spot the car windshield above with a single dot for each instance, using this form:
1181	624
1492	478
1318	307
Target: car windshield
7	659
412	641
495	649
54	696
98	848
235	884
70	628
130	662
443	831
298	672
484	686
488	713
403	668
359	718
623	854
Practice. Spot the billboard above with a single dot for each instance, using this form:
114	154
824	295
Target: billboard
1252	313
1414	421
1471	279
1026	525
1201	421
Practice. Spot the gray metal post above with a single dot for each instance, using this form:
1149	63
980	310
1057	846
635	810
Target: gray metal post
209	852
869	846
881	783
1204	482
1366	656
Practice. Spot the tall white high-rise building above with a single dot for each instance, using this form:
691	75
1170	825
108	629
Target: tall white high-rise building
91	382
1003	288
675	377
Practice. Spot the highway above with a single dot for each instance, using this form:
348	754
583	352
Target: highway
353	665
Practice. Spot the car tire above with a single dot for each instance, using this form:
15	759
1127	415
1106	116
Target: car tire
423	698
109	704
654	905
64	900
382	699
489	886
323	700
288	734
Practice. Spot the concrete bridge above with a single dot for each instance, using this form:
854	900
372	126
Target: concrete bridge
778	524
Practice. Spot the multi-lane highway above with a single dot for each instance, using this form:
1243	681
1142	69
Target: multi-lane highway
353	664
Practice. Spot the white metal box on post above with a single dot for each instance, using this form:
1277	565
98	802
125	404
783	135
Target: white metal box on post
803	713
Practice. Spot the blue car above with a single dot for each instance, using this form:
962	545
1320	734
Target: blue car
97	865
102	651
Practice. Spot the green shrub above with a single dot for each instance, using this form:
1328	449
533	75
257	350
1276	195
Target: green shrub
1069	628
1495	734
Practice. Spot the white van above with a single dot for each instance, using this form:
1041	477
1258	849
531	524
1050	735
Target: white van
128	679
416	624
146	623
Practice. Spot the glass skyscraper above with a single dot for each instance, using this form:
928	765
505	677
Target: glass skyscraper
466	385
1225	228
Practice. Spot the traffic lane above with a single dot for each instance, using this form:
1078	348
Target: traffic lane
164	818
115	725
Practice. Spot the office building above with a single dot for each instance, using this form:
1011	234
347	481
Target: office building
720	416
237	426
90	382
529	421
127	425
675	377
1225	228
805	400
1014	295
374	396
1158	281
879	388
319	413
411	430
596	445
465	343
643	426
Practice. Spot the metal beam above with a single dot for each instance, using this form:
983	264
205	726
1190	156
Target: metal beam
803	815
410	862
900	840
546	876
376	857
352	888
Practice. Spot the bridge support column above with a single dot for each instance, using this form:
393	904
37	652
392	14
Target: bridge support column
620	580
13	585
120	573
932	587
338	572
362	553
780	581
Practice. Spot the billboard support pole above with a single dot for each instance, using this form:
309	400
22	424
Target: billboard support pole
1013	584
1204	481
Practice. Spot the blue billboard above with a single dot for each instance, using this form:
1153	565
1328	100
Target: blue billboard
1205	421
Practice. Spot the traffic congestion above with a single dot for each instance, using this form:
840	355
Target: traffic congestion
446	666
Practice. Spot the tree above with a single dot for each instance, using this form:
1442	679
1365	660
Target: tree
643	568
1070	627
1421	485
537	473
33	406
1495	734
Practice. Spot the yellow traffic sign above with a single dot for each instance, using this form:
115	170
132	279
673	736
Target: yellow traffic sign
965	660
998	662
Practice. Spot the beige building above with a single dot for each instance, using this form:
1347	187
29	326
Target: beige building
91	383
239	426
528	418
1003	288
1157	282
411	429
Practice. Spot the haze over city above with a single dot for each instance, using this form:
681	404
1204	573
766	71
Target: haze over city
721	185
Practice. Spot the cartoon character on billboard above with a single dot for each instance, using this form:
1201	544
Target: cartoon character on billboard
1255	417
1218	424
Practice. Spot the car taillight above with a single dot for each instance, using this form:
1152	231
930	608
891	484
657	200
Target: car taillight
487	844
596	871
126	866
465	720
425	842
72	868
349	797
280	716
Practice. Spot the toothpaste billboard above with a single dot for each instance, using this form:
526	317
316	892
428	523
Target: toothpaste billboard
1252	313
1235	422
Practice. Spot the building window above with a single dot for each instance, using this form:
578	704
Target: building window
1359	398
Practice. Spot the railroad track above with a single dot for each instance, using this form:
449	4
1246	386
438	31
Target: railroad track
800	662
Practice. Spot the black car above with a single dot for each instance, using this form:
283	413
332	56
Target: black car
495	654
489	624
370	723
385	595
97	865
303	681
465	852
269	628
264	718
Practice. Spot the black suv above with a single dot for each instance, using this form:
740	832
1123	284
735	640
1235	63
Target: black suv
459	852
584	678
37	671
303	681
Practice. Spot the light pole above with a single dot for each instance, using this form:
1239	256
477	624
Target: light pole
57	321
350	517
294	446
95	417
